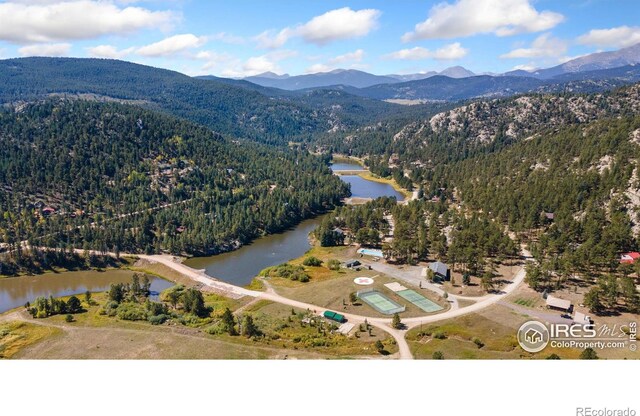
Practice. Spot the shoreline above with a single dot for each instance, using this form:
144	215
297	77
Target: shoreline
367	175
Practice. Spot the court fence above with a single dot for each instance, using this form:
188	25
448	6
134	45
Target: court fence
394	307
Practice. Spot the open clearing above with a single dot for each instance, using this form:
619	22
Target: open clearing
331	289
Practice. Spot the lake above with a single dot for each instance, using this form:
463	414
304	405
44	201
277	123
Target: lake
362	188
345	166
241	266
16	291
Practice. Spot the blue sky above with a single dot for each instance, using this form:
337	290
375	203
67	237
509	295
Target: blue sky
241	37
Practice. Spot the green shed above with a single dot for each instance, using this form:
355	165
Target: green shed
334	316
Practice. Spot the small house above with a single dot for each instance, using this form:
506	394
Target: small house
352	263
440	270
338	231
559	304
629	258
581	319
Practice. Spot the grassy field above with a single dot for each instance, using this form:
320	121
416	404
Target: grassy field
16	336
505	272
489	334
284	326
331	288
94	335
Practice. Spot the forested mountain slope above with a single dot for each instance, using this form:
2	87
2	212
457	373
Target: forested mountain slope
87	173
581	183
228	109
482	126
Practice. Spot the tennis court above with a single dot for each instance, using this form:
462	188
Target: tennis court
380	302
419	300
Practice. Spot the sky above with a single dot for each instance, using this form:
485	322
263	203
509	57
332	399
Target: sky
237	38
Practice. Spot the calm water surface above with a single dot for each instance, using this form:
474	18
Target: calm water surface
241	266
16	291
363	188
346	166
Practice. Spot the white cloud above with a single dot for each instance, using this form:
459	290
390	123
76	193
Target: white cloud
412	54
108	51
331	26
471	17
318	68
271	40
339	24
355	56
544	46
255	65
350	60
617	37
448	52
172	45
83	19
227	38
214	60
45	49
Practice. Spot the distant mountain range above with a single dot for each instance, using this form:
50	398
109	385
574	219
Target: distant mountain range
592	62
347	77
350	78
452	72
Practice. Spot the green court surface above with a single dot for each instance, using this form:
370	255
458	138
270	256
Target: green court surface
381	303
419	300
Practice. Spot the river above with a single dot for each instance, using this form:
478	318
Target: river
16	291
241	266
238	267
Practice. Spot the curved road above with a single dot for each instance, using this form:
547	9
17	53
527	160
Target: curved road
381	323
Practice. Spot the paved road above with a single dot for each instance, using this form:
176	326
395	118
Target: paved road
413	276
381	323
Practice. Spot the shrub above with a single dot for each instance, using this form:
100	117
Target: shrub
589	354
68	318
215	329
131	312
439	335
438	355
312	261
286	271
156	308
334	264
158	319
74	305
478	342
109	308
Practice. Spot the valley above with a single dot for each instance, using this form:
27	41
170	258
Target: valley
249	206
